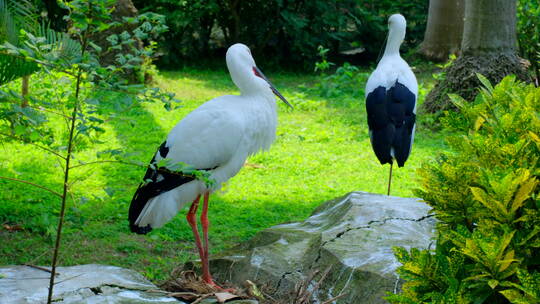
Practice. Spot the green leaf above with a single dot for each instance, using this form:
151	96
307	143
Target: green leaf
492	204
513	295
485	82
523	193
493	283
479	122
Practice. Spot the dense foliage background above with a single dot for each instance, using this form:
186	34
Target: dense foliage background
529	33
290	30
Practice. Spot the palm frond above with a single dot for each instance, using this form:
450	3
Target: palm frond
20	14
15	15
8	29
25	13
12	67
64	47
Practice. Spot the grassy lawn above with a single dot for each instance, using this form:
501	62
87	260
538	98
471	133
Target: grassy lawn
322	151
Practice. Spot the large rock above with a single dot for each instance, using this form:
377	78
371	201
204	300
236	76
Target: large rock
78	284
353	234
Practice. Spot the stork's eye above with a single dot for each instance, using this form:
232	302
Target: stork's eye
256	72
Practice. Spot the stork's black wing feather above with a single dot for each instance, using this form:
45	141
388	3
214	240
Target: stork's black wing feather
381	130
156	181
401	103
391	121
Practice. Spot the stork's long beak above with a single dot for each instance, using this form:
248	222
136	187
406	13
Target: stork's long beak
276	92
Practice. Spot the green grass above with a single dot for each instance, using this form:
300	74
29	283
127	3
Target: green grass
322	151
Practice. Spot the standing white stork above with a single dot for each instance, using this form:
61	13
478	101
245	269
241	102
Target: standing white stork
218	137
391	93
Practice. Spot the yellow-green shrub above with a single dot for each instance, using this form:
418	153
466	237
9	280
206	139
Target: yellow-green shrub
484	192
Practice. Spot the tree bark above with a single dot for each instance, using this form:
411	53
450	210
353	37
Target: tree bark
444	29
489	47
24	90
490	27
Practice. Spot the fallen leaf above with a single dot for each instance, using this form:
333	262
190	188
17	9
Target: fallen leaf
253	290
224	296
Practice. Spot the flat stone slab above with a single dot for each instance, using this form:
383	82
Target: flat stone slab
352	235
94	284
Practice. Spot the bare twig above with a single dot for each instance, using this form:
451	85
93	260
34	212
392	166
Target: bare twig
41	108
41	62
180	294
158	291
34	144
39	256
334	298
108	161
303	295
31	184
201	297
40	268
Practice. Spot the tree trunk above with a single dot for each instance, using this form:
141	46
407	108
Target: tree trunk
489	47
24	90
444	29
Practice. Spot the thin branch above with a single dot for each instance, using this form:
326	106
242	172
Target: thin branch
88	174
68	158
35	60
41	108
38	257
72	196
107	161
40	268
34	144
31	184
334	298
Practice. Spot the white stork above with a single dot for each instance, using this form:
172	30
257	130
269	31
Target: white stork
218	137
391	93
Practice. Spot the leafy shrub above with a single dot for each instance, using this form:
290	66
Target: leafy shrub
485	196
346	80
289	30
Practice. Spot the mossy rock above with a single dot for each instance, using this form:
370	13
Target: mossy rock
352	236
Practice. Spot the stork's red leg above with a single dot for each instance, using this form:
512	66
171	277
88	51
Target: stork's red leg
192	220
204	222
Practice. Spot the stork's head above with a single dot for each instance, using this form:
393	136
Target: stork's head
396	27
245	73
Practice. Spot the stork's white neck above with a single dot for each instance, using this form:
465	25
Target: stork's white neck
396	35
395	38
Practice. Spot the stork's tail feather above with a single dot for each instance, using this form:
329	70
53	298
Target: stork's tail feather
138	202
158	181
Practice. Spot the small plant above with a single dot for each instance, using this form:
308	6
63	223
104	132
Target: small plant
347	80
441	76
71	58
323	65
485	196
